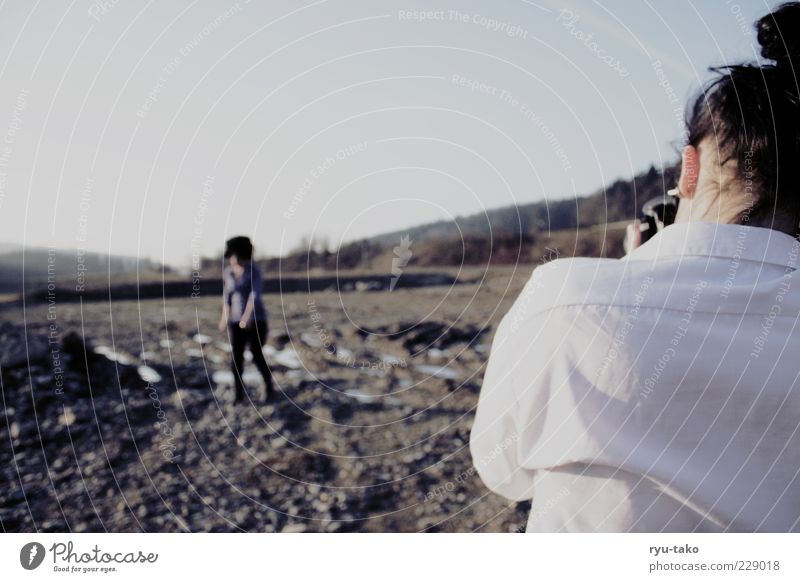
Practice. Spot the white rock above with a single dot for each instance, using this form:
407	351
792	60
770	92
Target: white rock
343	353
148	374
438	372
223	378
390	360
360	396
288	358
202	338
68	418
119	357
252	377
311	340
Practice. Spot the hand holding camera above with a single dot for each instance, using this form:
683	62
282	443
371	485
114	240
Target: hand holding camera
657	214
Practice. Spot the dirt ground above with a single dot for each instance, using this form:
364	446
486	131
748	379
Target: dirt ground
118	416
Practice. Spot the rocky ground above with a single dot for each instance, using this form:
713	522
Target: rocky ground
117	417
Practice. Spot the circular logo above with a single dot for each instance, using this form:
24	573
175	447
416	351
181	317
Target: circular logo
31	555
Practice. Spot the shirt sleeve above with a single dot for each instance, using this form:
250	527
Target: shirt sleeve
513	402
227	287
495	437
255	284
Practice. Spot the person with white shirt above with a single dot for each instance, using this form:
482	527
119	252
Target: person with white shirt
660	392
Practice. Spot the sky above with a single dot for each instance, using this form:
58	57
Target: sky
161	129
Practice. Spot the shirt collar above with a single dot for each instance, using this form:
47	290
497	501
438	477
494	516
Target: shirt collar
712	239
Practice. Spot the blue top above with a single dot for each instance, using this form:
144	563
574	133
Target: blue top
237	292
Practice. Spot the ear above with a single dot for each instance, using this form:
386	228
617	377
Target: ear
690	170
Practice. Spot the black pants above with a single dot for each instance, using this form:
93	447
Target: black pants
256	337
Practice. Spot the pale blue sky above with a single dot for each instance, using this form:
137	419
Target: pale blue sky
160	129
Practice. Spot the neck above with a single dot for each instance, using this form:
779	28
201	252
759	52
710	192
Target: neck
711	205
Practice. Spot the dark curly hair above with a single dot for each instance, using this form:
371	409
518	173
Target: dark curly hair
752	112
239	246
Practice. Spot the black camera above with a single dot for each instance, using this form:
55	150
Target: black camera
657	213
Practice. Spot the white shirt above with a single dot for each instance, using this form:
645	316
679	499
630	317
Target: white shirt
658	392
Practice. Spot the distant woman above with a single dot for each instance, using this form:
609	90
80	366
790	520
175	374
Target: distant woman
243	312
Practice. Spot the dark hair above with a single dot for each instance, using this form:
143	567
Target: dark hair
752	112
239	246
